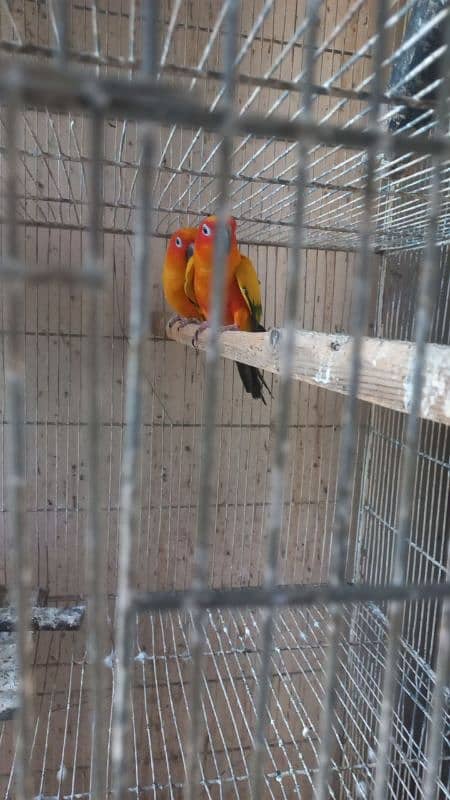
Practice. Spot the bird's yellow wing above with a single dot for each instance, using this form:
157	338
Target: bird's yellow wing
250	287
189	281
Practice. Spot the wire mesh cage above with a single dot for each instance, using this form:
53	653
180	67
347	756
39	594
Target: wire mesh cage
266	584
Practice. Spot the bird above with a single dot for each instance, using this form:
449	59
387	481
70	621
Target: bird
243	309
179	250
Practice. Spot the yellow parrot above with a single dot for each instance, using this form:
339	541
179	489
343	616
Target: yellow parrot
179	250
243	309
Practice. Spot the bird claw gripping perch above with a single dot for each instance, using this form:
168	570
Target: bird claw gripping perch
182	321
204	325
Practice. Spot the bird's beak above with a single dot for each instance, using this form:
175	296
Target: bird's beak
190	250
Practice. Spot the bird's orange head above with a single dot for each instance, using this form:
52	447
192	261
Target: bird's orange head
205	240
181	247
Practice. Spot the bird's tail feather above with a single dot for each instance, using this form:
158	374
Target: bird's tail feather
253	381
252	377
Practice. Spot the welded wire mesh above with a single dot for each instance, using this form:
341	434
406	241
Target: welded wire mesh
134	478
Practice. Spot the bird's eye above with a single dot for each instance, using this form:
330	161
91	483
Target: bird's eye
206	230
178	242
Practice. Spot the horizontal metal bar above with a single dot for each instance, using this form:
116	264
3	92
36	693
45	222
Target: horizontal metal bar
284	596
35	275
48	87
84	57
299	86
202	212
398	239
106	229
196	173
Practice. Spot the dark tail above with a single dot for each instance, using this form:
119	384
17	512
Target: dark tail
252	377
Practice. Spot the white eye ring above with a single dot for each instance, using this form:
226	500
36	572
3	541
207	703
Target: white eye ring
206	230
178	242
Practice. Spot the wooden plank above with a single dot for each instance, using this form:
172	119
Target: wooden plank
324	360
46	619
9	702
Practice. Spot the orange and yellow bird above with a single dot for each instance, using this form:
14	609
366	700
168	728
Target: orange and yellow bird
179	250
243	308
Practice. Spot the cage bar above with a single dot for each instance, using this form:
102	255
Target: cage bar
253	627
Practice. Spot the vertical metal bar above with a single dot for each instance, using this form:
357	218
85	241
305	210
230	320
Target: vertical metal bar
139	305
95	556
436	732
208	461
15	388
150	38
427	292
349	433
295	269
59	12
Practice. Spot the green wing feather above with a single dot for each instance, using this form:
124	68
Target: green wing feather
250	287
189	281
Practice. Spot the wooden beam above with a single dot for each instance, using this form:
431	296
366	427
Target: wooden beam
45	619
9	700
324	360
42	619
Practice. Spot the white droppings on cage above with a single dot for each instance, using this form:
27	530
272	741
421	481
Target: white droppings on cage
408	384
323	375
437	384
142	656
110	660
361	790
371	756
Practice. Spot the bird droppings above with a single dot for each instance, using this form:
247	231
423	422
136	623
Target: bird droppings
109	660
408	385
275	336
61	774
323	375
141	656
361	790
436	386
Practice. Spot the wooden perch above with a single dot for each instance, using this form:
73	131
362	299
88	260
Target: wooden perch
45	619
42	619
324	359
9	701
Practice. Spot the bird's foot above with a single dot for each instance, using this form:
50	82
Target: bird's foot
173	320
183	321
229	328
202	327
189	321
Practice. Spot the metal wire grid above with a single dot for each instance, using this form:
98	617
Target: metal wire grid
428	539
262	176
231	661
344	592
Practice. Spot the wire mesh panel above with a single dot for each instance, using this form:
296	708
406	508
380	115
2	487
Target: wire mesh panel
266	584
